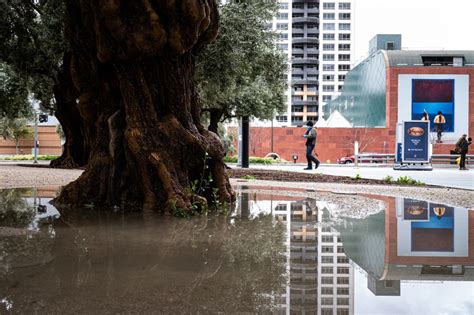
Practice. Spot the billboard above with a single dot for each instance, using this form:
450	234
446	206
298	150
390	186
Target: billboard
415	142
431	96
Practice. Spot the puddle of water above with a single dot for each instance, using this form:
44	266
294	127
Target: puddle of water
272	253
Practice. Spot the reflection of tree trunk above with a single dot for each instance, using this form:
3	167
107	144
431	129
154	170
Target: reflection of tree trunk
133	65
76	148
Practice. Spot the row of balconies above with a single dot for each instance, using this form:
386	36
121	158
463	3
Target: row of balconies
312	31
305	40
312	10
305	19
305	61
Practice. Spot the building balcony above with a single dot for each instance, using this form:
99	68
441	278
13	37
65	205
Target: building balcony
314	10
306	19
305	61
305	40
297	31
307	103
305	81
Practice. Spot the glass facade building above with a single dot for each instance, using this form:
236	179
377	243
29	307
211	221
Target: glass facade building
362	101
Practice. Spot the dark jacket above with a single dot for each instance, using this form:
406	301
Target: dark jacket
462	146
311	136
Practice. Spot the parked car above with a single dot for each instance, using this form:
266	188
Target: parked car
351	159
346	159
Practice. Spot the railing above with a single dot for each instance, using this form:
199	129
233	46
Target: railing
390	158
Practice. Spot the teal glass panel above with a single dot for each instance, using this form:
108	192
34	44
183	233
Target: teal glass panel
362	101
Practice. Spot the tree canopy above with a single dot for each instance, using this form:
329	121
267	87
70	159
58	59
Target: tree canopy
242	72
31	49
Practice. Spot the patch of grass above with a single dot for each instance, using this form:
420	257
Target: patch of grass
357	177
252	159
250	177
28	158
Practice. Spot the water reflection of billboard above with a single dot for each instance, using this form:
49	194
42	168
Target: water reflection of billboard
435	234
415	209
433	96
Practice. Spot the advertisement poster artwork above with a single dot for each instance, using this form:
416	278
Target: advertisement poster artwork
431	96
415	141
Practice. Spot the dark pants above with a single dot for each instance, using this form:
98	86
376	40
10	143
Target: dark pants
310	157
462	163
439	131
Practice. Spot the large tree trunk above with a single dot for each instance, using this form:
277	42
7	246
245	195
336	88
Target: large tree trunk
215	116
132	66
76	147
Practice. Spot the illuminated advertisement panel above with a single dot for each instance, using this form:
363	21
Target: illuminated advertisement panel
431	96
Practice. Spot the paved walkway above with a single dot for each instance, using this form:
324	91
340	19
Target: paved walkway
439	176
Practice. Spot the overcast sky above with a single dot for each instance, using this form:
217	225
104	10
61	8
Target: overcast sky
424	24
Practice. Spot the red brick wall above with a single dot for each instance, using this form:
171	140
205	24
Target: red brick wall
49	143
336	142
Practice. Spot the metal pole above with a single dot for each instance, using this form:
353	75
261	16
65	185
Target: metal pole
36	140
245	142
271	149
356	153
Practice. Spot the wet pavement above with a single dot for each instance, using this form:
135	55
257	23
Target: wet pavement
268	253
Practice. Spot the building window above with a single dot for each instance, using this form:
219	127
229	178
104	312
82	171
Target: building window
283	5
340	249
297	15
328	67
328	77
312	98
298	6
296	119
282	36
342	311
329	16
344	57
344	46
312	26
343	270
342	280
312	88
326	301
342	260
326	290
326	98
328	238
297	109
283	118
389	46
283	46
342	301
327	270
298	26
313	5
327	249
344	26
344	67
282	16
328	57
328	47
328	36
326	311
329	6
344	36
312	109
328	88
341	77
298	88
343	291
329	26
327	259
344	16
282	26
326	280
344	6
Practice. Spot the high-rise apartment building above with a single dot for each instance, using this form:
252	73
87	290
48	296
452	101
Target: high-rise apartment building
317	37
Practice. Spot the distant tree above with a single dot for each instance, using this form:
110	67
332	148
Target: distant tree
242	72
15	130
13	94
37	60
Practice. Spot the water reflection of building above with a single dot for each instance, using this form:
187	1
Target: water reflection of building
321	278
412	240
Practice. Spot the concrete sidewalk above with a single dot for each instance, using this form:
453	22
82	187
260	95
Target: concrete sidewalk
439	176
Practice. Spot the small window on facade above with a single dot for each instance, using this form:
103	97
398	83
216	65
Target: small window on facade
328	36
329	6
329	16
344	6
389	46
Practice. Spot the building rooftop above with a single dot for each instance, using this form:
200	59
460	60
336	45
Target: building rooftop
409	58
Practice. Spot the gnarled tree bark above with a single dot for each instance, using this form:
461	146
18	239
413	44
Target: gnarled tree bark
132	66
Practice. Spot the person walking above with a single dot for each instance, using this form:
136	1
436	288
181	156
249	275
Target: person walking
310	136
462	147
439	122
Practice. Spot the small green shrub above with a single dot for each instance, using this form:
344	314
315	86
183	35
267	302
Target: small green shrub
250	177
388	179
406	180
357	177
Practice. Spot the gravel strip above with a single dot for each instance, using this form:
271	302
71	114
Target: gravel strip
17	176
